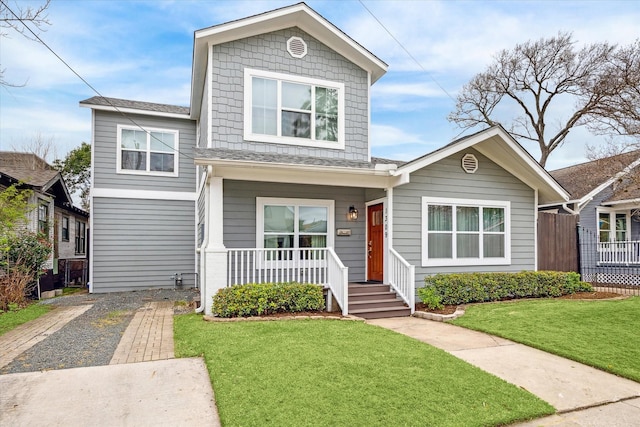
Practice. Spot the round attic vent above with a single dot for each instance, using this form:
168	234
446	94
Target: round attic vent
469	163
296	47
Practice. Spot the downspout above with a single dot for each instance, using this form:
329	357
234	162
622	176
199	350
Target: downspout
205	240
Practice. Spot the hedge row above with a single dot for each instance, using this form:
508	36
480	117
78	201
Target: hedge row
256	299
480	287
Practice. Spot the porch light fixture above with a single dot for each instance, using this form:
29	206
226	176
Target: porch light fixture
353	213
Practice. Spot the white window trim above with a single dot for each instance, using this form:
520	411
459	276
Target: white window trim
148	130
612	233
261	202
275	139
444	262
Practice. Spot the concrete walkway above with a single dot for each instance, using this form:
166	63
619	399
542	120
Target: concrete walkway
159	390
569	386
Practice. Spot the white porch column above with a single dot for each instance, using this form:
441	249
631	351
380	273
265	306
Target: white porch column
215	252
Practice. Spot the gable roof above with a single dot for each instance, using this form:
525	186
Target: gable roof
140	107
498	145
583	181
33	172
298	15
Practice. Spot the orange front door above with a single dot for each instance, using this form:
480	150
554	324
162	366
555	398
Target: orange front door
375	242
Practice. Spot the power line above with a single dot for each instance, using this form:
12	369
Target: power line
91	87
407	51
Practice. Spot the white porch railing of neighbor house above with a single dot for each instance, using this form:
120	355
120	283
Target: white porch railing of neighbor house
402	278
318	266
621	253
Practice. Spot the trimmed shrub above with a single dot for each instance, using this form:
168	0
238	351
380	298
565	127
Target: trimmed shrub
430	298
465	288
256	299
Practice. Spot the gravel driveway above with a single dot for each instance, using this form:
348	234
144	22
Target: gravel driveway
91	338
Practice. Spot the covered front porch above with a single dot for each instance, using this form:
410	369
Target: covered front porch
330	229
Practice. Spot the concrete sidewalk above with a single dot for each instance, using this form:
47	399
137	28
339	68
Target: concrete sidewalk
567	385
162	393
159	391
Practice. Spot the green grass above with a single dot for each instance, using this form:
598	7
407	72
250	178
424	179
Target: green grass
343	373
13	319
603	334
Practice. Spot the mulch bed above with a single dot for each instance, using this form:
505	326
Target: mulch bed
450	309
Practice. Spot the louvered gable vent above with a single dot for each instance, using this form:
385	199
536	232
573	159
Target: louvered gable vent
296	47
469	163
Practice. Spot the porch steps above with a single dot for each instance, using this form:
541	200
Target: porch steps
375	302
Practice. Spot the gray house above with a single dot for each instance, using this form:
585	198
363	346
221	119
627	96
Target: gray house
268	176
605	194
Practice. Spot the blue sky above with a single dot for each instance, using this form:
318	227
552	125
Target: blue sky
142	50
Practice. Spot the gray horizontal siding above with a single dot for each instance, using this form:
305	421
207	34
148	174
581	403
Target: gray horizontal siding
106	151
447	179
240	216
140	244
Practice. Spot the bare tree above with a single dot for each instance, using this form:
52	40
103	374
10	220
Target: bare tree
532	80
14	17
619	115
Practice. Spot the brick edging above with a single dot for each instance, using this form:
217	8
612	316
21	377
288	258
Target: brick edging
440	317
270	318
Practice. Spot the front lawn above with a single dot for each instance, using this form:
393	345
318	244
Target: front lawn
343	373
13	319
603	334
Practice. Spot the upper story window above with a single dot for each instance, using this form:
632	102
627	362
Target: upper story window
287	109
150	152
465	232
64	235
43	218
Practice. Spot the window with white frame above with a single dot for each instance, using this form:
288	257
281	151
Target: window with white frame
288	109
465	232
43	218
149	151
613	226
294	224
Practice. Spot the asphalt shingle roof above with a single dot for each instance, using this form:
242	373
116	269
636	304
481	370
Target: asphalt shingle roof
580	180
26	167
136	105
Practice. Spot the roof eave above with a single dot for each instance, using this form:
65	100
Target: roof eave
135	111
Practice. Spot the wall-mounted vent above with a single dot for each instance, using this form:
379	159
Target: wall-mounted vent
469	163
296	47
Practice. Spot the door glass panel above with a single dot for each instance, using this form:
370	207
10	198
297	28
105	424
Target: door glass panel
621	227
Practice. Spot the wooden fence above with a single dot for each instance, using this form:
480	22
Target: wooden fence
558	242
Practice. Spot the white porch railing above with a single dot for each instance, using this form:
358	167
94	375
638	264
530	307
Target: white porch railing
319	266
277	265
624	253
338	280
402	278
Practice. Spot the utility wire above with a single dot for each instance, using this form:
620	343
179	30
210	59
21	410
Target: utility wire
107	100
407	51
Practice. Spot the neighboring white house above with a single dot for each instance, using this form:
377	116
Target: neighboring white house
268	176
